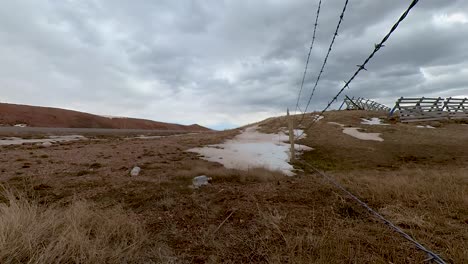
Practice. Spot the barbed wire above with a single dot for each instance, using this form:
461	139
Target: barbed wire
325	60
308	56
432	256
361	67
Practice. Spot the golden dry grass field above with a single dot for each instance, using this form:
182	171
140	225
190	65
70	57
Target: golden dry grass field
76	203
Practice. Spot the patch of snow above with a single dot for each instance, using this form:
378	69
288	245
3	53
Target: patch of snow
299	134
317	118
20	125
147	137
50	140
252	149
426	126
336	124
373	122
354	132
112	117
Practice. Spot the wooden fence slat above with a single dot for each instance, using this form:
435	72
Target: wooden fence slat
429	109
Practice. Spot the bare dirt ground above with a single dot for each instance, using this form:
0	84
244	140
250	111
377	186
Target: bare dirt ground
416	177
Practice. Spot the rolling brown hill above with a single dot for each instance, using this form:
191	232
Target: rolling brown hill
36	116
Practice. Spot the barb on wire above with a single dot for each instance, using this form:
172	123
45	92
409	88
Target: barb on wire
361	67
432	256
325	61
308	57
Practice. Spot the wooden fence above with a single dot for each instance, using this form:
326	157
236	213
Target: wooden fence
362	104
457	108
430	109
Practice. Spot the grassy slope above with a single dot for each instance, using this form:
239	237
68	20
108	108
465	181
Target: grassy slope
35	116
416	178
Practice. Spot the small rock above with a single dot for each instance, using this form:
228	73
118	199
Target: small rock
47	144
200	181
135	171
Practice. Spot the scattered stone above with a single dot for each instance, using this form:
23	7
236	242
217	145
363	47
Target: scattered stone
201	180
135	171
47	144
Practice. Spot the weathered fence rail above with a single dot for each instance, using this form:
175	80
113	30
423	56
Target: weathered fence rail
457	108
361	103
430	109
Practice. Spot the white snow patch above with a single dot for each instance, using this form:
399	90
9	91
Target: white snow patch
426	126
299	134
51	139
373	122
148	137
336	124
20	125
112	117
252	149
317	118
354	132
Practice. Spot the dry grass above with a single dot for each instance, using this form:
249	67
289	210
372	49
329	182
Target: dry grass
416	178
431	204
78	233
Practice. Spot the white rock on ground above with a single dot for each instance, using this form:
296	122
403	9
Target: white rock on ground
373	122
252	149
47	144
201	180
135	171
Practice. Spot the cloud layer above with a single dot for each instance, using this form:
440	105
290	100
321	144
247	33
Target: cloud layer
223	63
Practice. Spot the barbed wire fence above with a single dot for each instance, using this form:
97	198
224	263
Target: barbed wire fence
308	57
330	47
361	67
432	256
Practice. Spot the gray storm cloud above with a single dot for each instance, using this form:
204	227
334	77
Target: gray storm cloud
223	63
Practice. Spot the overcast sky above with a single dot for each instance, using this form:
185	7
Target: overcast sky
223	63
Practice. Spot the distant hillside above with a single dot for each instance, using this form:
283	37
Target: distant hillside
36	116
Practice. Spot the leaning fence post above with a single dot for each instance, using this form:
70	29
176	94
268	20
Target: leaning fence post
291	136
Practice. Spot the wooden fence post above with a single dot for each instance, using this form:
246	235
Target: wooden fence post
291	136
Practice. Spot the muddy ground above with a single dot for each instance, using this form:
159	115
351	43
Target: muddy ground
416	177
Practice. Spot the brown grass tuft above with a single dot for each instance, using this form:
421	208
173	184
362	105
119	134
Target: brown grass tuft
79	233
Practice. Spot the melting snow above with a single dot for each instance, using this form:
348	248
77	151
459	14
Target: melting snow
51	139
354	132
299	134
20	125
427	126
252	149
336	124
114	117
317	118
373	122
